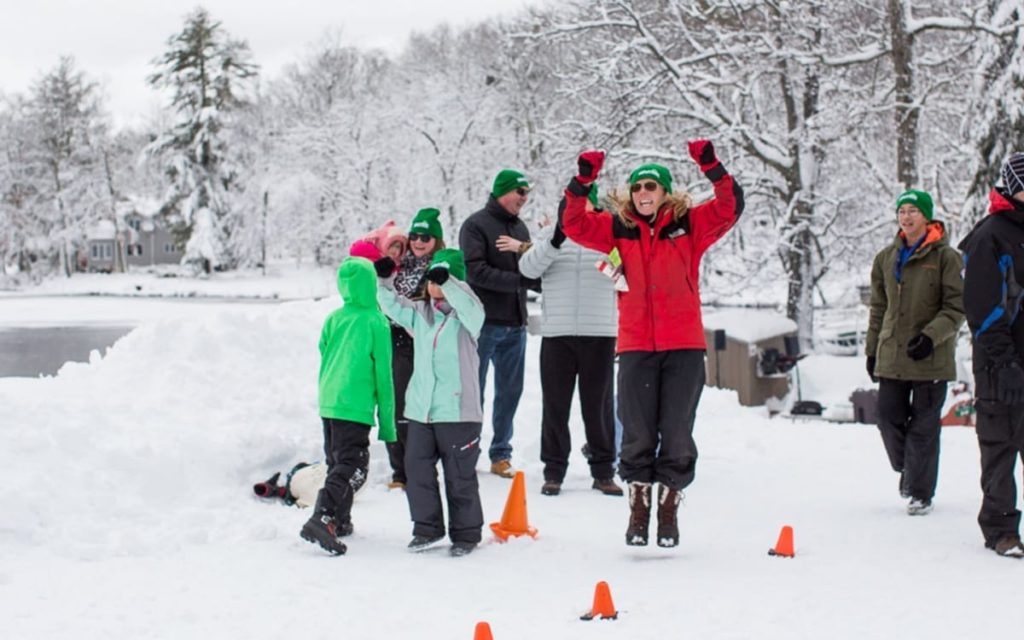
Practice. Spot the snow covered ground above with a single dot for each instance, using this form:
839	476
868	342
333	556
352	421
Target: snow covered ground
127	512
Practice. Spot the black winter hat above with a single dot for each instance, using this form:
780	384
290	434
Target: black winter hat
1013	173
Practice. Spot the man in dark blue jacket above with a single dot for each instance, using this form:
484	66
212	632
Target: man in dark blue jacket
994	269
494	276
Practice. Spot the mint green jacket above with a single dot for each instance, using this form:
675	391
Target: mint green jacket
445	384
355	354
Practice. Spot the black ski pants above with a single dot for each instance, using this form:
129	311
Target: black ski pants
910	421
1000	431
347	454
563	361
401	371
658	396
457	446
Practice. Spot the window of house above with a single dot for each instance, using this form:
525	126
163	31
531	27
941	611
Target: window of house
135	223
108	251
138	249
169	247
94	251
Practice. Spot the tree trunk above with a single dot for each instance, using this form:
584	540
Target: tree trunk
907	112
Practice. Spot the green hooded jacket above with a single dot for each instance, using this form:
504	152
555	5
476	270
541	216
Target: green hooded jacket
928	301
355	353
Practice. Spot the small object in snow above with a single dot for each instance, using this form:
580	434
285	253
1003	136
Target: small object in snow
784	546
603	607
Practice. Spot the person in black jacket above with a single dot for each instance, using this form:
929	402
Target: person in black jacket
494	276
993	273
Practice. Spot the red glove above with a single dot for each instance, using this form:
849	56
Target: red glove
589	164
703	153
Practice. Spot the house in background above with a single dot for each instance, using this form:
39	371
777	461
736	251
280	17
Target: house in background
141	233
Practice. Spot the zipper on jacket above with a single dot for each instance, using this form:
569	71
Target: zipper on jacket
433	388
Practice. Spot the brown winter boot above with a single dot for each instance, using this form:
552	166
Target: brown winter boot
639	513
668	505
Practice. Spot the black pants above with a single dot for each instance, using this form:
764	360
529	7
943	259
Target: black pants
592	360
401	370
910	421
658	396
457	446
347	454
1000	432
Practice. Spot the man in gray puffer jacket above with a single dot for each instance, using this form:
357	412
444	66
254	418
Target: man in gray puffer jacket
579	326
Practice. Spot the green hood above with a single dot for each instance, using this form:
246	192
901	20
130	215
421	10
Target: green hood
357	283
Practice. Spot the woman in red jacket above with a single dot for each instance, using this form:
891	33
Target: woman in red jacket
660	236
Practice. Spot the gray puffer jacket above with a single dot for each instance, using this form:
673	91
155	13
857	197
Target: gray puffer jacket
578	300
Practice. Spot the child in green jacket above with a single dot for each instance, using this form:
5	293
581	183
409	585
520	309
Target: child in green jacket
442	401
355	380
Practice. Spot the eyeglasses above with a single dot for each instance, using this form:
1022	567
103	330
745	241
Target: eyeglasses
646	186
523	191
420	237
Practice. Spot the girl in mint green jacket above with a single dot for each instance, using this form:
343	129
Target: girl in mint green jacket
442	402
355	382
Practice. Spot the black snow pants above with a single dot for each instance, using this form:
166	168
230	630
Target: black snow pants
457	446
401	371
347	454
910	421
658	396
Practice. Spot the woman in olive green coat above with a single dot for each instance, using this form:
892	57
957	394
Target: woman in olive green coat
916	311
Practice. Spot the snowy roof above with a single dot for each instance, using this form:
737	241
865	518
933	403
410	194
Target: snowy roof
750	325
102	230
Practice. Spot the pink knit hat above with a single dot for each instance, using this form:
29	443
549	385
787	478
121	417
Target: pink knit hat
387	235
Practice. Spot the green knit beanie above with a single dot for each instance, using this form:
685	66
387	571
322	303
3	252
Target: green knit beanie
507	180
426	221
919	199
655	172
452	260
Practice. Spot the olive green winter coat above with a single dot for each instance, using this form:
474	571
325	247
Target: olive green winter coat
929	300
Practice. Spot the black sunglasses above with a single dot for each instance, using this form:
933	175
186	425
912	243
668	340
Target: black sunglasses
420	237
523	191
646	186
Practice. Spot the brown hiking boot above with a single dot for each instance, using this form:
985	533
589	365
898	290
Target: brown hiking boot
1009	546
607	487
668	505
639	513
551	488
503	468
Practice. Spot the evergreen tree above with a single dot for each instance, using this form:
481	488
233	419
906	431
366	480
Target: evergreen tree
206	72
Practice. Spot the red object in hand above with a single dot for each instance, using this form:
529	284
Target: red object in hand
703	153
589	164
365	249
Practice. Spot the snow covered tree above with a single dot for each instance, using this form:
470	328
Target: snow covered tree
999	100
206	72
65	107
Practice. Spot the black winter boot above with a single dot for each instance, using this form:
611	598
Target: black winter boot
639	513
323	530
668	505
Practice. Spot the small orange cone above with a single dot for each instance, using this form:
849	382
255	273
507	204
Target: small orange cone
784	547
513	520
483	632
603	607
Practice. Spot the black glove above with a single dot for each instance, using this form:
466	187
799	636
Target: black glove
558	237
438	275
385	267
920	347
1010	383
871	368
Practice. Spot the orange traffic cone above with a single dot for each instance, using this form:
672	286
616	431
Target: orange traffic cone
483	632
784	547
513	520
603	607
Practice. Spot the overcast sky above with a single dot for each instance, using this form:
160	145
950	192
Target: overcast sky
113	41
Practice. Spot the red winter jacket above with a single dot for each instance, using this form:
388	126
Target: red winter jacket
661	310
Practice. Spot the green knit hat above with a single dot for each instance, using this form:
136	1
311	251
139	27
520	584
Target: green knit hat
507	180
592	196
426	221
452	260
655	172
919	199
